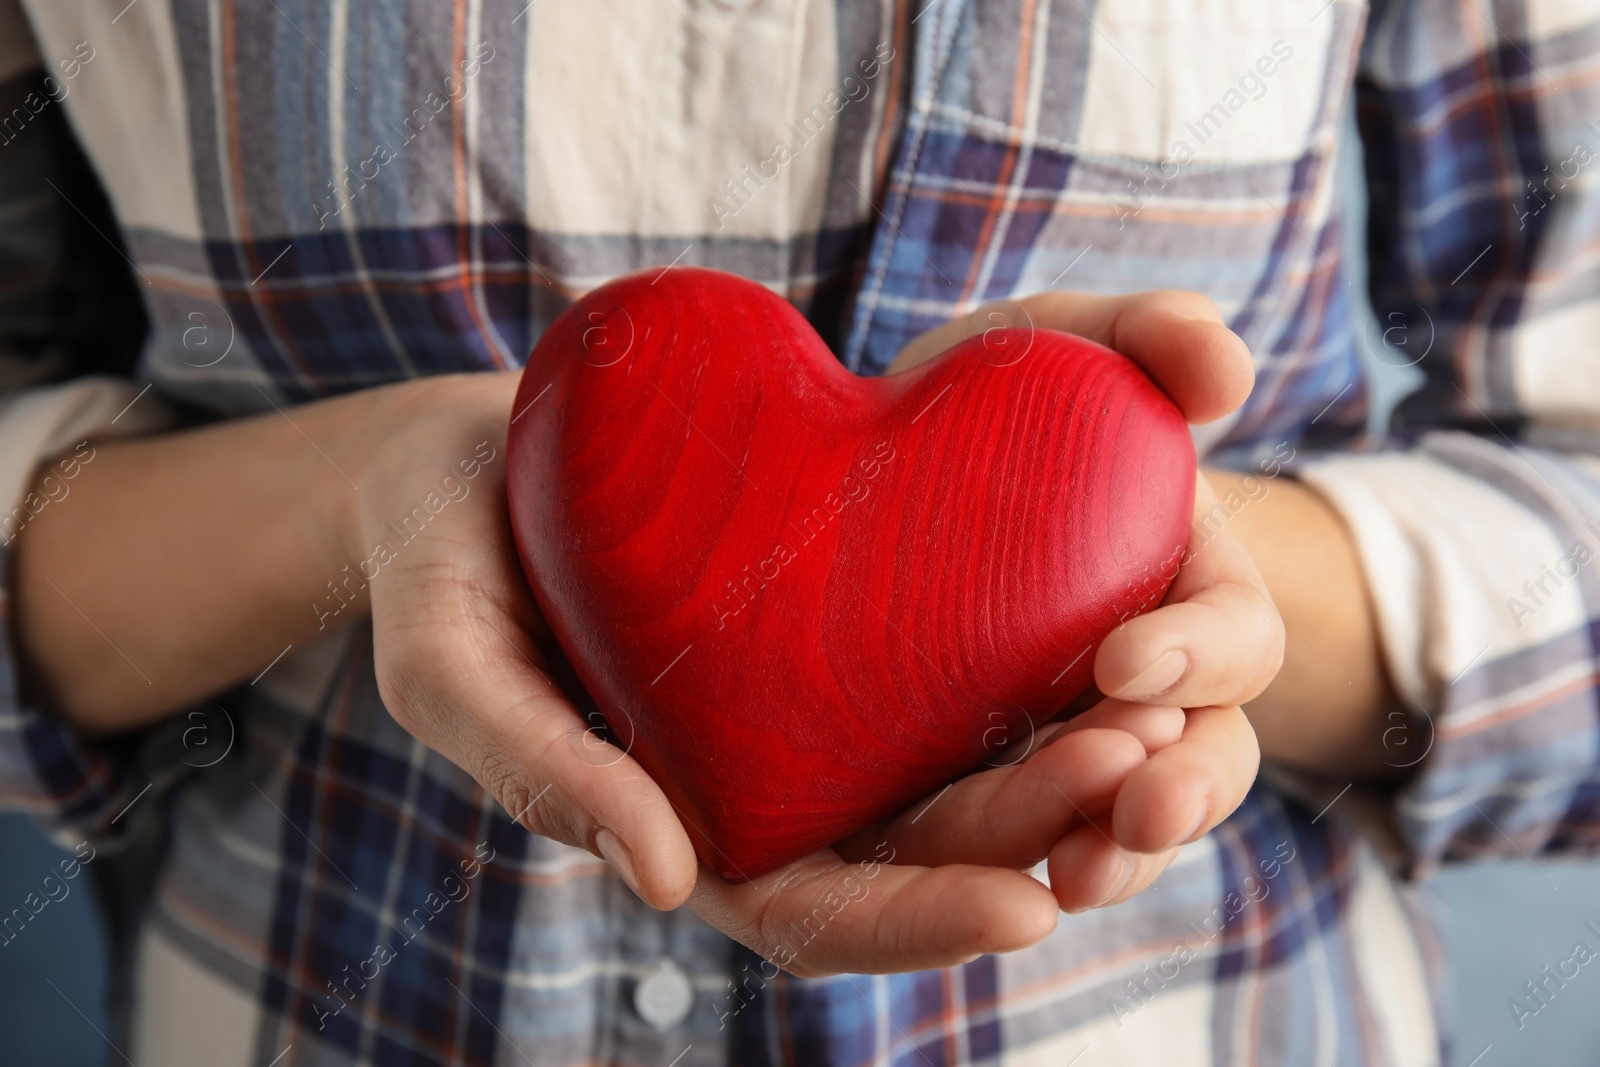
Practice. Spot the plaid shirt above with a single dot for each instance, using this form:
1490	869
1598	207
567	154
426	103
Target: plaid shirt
324	197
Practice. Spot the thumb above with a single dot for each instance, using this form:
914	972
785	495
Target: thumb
478	693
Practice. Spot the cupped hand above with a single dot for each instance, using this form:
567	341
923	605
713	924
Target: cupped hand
455	643
1214	643
1105	798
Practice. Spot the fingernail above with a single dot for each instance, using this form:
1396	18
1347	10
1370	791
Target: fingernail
1122	883
1157	678
1194	828
612	852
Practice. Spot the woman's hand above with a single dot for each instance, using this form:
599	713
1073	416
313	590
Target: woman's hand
1106	797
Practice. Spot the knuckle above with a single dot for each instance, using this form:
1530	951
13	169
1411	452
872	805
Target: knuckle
499	776
771	927
766	924
899	940
534	807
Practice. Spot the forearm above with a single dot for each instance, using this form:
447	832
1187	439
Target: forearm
1328	709
182	564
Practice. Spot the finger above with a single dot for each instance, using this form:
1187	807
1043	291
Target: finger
1089	870
822	915
1218	639
1154	726
1010	816
1222	647
1183	791
1201	364
496	713
1095	318
1176	337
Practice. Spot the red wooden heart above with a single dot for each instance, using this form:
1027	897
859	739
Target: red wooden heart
804	599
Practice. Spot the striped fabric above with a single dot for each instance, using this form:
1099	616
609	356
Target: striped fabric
320	197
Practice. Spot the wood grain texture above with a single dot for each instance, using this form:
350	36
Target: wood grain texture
803	599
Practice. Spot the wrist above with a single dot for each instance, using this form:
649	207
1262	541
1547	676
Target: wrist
1326	711
414	435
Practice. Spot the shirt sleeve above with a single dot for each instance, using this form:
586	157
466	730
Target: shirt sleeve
68	336
1479	523
1483	563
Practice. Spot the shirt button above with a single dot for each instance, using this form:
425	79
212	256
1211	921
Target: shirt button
663	996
